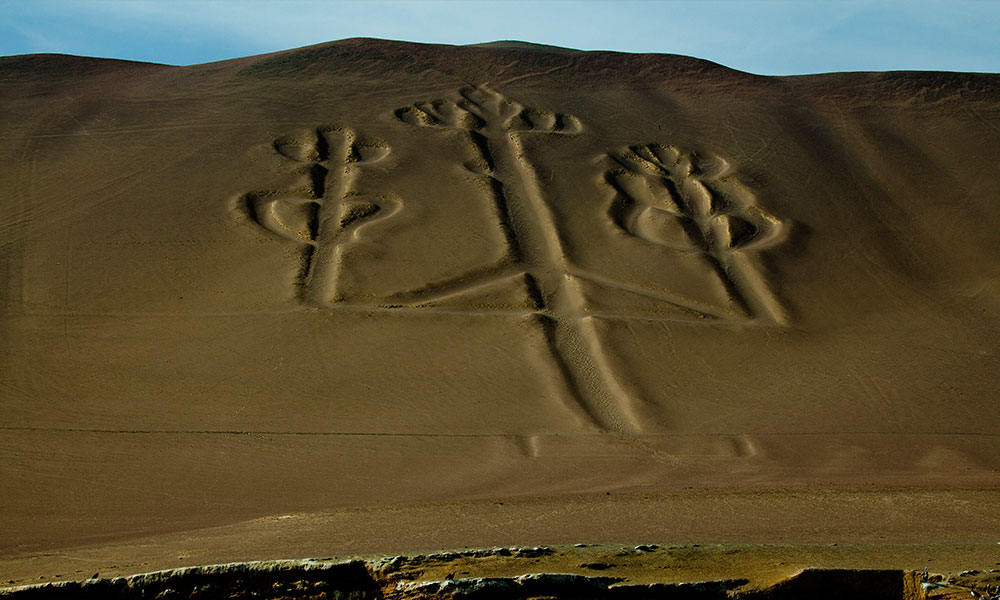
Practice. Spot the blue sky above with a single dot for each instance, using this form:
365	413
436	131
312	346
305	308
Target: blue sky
774	37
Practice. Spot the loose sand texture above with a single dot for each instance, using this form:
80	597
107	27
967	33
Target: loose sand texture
394	290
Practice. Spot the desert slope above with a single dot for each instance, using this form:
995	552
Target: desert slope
380	274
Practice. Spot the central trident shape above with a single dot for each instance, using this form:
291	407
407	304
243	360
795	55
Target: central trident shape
495	126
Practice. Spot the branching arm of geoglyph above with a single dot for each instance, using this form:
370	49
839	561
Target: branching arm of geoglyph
693	203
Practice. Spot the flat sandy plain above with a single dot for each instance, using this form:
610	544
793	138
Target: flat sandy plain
373	297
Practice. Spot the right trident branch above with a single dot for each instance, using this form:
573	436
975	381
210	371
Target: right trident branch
688	202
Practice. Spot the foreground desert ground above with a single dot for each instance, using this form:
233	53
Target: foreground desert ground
373	297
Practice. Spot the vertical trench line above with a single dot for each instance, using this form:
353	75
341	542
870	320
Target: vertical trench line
629	402
480	143
759	297
697	199
749	274
12	281
738	272
568	388
577	350
550	250
324	268
573	347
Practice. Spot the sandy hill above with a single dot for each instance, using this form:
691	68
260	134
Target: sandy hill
429	281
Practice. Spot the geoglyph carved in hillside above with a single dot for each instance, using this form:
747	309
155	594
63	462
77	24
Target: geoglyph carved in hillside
676	202
325	214
686	202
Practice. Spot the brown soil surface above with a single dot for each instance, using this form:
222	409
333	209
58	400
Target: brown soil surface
375	297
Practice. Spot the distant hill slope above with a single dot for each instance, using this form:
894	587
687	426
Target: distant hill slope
367	273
